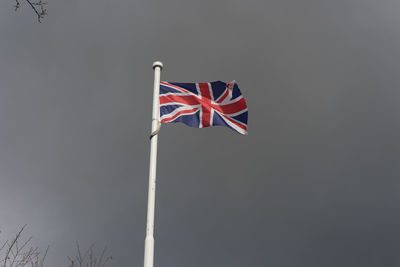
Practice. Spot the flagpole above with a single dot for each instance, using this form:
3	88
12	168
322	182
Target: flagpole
149	241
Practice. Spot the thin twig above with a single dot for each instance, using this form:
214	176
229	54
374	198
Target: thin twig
12	244
37	6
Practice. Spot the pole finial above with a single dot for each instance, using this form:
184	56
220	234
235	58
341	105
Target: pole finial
157	64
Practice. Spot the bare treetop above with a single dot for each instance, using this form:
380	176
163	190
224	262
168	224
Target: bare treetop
19	253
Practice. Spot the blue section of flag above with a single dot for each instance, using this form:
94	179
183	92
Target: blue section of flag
168	108
218	88
164	90
192	120
218	120
241	117
188	86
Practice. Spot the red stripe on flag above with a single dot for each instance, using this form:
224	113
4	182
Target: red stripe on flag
231	108
183	112
225	94
185	100
205	104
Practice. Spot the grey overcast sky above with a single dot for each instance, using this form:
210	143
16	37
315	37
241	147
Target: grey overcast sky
315	183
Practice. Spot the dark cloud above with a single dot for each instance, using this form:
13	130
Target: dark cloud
315	183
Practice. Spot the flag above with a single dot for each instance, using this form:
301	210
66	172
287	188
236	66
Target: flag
204	104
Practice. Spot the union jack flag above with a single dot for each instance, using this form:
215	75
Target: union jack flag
204	104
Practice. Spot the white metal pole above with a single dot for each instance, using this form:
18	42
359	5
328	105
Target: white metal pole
149	242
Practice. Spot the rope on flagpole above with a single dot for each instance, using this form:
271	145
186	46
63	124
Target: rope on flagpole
157	130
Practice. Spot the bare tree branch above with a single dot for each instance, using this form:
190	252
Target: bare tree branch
38	6
6	257
89	258
20	255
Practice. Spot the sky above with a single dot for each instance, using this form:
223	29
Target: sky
315	183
